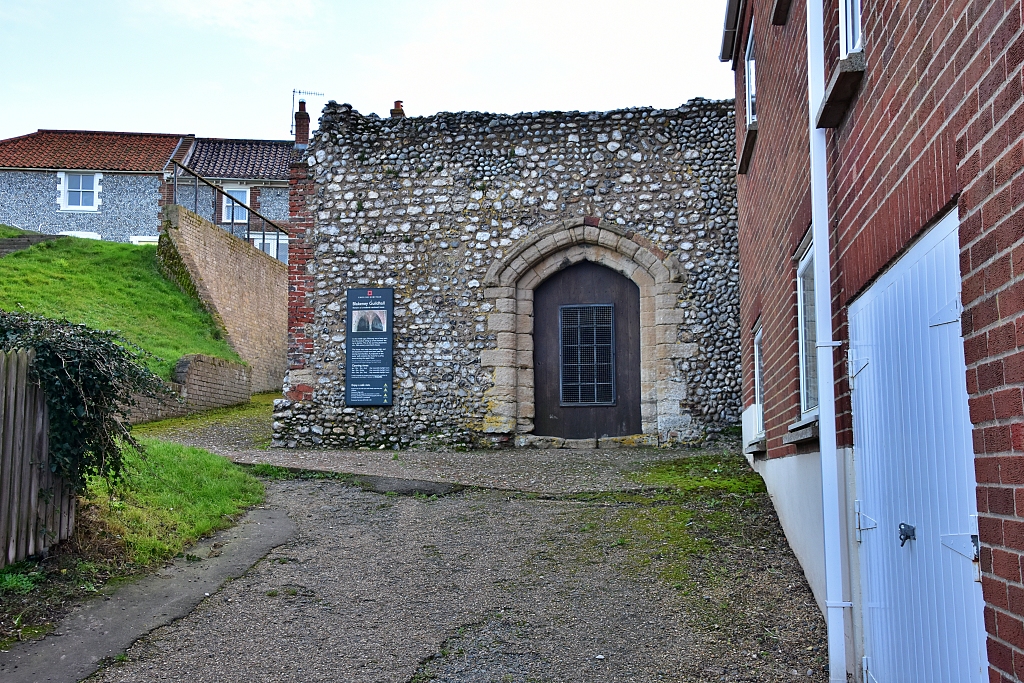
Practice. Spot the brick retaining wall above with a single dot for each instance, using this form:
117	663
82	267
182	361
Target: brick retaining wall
201	382
243	288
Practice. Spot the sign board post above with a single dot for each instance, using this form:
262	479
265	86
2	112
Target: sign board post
369	349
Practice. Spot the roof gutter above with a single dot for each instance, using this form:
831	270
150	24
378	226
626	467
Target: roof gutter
832	512
70	169
731	30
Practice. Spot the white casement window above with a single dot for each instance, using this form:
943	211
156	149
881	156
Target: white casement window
750	77
807	333
758	385
849	28
79	191
231	210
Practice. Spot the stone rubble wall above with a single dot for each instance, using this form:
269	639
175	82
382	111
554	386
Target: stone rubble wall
244	289
428	205
200	383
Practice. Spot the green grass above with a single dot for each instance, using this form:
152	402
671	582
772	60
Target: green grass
171	496
256	415
111	286
7	231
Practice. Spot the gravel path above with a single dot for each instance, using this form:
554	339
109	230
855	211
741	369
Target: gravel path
486	584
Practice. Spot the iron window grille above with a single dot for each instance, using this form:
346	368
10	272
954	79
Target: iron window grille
586	341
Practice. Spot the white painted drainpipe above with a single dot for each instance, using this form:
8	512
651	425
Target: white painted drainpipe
830	482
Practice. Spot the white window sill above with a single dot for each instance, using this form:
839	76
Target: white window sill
63	210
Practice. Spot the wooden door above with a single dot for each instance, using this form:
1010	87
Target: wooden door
586	357
916	506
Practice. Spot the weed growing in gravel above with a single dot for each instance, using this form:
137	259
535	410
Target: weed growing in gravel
277	472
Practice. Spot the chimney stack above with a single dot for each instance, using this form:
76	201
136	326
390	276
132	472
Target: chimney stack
398	112
301	126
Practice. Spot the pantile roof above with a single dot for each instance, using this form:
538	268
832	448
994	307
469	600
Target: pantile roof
89	150
242	159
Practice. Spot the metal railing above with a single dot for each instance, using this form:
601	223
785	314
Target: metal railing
262	231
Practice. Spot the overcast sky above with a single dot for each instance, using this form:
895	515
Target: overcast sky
227	68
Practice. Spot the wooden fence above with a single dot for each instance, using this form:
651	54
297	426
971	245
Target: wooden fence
37	508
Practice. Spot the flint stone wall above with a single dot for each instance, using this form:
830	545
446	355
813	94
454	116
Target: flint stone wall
463	214
129	205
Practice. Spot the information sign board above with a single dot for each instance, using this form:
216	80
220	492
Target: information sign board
369	349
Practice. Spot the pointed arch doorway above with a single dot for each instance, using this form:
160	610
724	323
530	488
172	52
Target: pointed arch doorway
587	354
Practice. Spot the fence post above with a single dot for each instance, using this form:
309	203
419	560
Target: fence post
30	494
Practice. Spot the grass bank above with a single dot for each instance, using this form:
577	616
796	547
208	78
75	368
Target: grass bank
168	498
8	231
111	286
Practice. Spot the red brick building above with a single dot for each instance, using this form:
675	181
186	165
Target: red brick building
880	147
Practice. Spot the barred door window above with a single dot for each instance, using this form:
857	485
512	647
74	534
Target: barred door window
587	339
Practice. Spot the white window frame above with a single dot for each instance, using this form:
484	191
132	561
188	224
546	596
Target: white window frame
225	213
851	37
263	241
758	383
750	76
805	331
62	191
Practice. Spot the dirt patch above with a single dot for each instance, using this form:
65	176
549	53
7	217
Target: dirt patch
75	570
486	586
619	565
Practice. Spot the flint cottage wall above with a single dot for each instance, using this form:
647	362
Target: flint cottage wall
464	215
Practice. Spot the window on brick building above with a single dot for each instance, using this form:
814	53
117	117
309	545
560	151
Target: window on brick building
758	385
749	77
849	28
79	191
807	332
232	211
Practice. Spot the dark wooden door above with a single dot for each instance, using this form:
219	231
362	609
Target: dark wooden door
586	354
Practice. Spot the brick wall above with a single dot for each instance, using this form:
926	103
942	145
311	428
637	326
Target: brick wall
245	290
201	383
938	124
774	212
300	283
982	90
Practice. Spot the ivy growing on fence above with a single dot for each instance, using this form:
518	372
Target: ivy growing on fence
89	378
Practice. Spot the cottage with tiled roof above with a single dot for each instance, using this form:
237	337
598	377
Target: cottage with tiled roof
107	183
255	172
113	184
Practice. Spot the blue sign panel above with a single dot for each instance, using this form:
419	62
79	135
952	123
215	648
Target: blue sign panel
369	347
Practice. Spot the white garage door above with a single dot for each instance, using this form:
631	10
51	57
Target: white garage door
922	603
